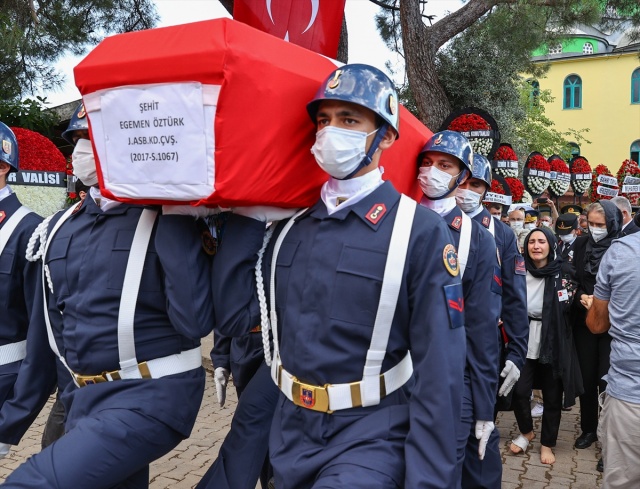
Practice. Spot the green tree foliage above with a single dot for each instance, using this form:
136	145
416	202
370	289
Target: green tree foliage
34	34
29	114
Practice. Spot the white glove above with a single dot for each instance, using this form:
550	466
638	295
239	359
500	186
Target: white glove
220	378
511	374
4	450
264	213
483	432
189	210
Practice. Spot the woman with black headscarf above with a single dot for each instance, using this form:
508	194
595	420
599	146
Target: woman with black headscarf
551	353
605	223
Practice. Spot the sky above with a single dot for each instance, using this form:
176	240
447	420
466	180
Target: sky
365	45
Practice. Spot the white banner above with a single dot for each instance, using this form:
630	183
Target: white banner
609	192
631	189
607	180
497	198
512	164
582	176
628	180
563	177
38	178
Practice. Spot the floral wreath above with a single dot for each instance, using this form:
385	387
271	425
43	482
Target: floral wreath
629	171
560	176
499	193
39	154
478	127
536	174
517	189
604	185
505	161
580	175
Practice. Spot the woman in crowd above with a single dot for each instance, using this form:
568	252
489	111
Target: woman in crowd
551	353
605	222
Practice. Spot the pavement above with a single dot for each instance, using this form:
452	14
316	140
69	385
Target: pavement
186	464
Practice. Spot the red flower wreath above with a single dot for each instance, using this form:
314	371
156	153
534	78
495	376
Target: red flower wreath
517	189
469	122
37	153
580	165
599	170
559	166
539	162
505	153
496	187
629	168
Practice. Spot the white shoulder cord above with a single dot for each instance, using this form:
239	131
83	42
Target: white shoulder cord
465	243
262	300
492	227
40	233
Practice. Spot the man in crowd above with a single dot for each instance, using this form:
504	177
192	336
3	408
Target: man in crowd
628	226
18	277
516	220
531	219
567	232
514	331
335	425
617	281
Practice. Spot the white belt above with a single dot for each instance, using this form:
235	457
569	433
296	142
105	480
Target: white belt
13	352
151	369
334	397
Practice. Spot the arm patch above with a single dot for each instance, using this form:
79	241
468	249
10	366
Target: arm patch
455	304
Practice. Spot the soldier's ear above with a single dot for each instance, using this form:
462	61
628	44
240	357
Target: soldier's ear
388	139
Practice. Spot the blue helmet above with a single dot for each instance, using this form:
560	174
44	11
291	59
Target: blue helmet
481	169
363	85
78	122
9	150
452	143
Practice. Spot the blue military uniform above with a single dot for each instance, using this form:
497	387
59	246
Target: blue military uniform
488	472
482	285
18	283
328	281
116	428
241	356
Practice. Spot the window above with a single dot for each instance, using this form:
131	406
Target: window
555	49
635	151
575	149
635	86
534	92
572	92
587	48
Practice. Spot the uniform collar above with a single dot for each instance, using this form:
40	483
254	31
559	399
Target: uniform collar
10	204
484	217
454	219
372	210
5	192
89	206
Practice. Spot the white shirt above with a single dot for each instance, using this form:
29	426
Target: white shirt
338	194
5	192
102	202
535	299
441	207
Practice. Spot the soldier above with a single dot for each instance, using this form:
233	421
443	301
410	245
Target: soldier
124	302
446	163
18	277
566	230
342	418
531	219
514	330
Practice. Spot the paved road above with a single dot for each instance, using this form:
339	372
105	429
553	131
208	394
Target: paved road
184	466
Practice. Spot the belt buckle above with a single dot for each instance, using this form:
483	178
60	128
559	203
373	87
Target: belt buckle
311	397
85	380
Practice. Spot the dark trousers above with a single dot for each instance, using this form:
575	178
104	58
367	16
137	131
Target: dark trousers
54	428
593	356
552	394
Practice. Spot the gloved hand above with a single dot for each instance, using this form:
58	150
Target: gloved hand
4	450
511	374
220	379
264	213
483	431
189	210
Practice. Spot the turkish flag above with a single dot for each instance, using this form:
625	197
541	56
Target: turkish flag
312	24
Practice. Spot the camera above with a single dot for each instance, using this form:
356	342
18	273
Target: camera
542	200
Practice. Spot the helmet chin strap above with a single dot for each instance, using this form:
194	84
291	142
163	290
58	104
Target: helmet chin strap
381	131
453	189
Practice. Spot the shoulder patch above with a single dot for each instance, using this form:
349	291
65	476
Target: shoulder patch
456	223
376	213
455	304
450	258
520	269
3	214
496	282
209	243
485	221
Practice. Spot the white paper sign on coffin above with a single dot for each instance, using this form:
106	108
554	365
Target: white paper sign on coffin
155	139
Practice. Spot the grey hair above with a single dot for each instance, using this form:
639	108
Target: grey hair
622	203
595	207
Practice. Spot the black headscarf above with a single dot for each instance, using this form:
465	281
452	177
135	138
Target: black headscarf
596	250
553	332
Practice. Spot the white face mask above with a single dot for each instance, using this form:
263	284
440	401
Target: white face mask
339	151
546	224
467	200
597	233
530	226
516	225
568	238
84	163
434	182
